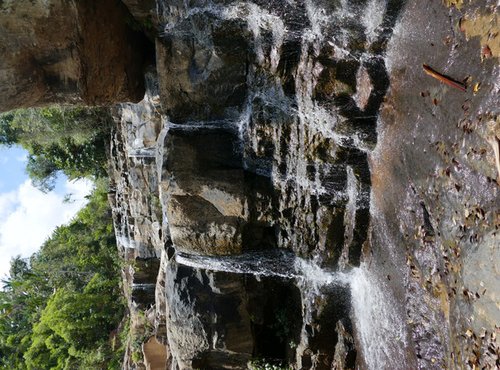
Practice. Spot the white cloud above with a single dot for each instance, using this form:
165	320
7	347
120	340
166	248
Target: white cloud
28	217
79	189
7	203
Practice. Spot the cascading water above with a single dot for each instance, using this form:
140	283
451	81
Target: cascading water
273	263
379	328
142	152
299	88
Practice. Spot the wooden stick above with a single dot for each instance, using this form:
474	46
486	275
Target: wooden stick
444	79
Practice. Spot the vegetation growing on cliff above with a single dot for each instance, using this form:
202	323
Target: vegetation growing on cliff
61	308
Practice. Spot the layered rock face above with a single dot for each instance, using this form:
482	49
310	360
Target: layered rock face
267	148
68	52
293	187
312	128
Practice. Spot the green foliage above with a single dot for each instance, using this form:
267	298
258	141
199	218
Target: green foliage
9	134
138	334
155	202
59	309
71	140
45	126
84	247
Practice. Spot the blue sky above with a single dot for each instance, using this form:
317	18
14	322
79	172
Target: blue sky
12	166
28	216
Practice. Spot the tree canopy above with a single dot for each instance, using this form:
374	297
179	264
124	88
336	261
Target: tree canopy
60	308
71	140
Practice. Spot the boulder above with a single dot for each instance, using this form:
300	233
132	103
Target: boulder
68	52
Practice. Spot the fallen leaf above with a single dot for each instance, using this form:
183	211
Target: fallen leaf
486	52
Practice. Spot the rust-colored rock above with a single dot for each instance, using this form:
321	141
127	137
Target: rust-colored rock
155	354
68	52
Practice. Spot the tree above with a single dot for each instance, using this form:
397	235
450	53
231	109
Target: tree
72	325
9	135
42	172
49	125
58	308
21	302
59	139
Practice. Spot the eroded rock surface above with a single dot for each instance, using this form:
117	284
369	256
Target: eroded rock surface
68	52
311	128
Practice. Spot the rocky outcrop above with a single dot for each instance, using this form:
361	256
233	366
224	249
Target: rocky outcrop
139	223
311	128
237	318
306	127
68	52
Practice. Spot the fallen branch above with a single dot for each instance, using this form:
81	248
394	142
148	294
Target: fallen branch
444	79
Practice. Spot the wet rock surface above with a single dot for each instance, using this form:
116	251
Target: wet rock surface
311	128
294	187
444	190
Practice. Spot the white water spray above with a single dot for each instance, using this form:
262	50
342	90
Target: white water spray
378	323
272	263
379	327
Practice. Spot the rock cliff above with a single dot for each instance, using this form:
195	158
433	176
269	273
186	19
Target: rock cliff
313	128
61	51
295	187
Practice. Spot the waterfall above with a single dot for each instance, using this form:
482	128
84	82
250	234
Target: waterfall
142	152
377	323
270	263
303	125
